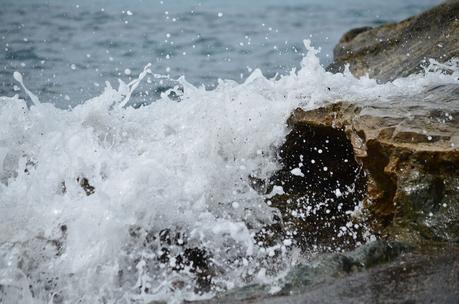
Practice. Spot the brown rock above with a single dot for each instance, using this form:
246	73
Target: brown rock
397	50
409	150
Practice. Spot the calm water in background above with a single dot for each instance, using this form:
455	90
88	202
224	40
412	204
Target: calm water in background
66	50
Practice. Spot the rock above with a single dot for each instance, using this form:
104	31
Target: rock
418	276
322	268
389	166
409	151
85	185
168	250
397	50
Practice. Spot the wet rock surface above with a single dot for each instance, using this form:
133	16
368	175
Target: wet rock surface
430	275
397	50
409	150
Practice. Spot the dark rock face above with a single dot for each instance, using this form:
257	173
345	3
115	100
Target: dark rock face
397	50
410	152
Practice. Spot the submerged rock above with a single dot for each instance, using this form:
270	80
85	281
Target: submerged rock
409	150
320	269
86	186
430	275
168	250
400	49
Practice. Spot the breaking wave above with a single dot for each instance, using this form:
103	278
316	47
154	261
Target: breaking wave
105	203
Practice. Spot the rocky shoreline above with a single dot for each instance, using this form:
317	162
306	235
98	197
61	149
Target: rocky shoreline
386	168
399	158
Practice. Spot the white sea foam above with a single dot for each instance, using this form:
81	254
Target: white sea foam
169	165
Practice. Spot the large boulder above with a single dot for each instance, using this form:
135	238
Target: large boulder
397	50
409	151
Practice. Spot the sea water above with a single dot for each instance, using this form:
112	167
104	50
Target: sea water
67	49
105	202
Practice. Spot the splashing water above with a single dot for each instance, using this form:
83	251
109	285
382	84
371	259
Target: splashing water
105	203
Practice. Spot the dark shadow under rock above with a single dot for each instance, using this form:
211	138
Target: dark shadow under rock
322	185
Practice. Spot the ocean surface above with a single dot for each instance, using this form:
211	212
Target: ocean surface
104	202
68	49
